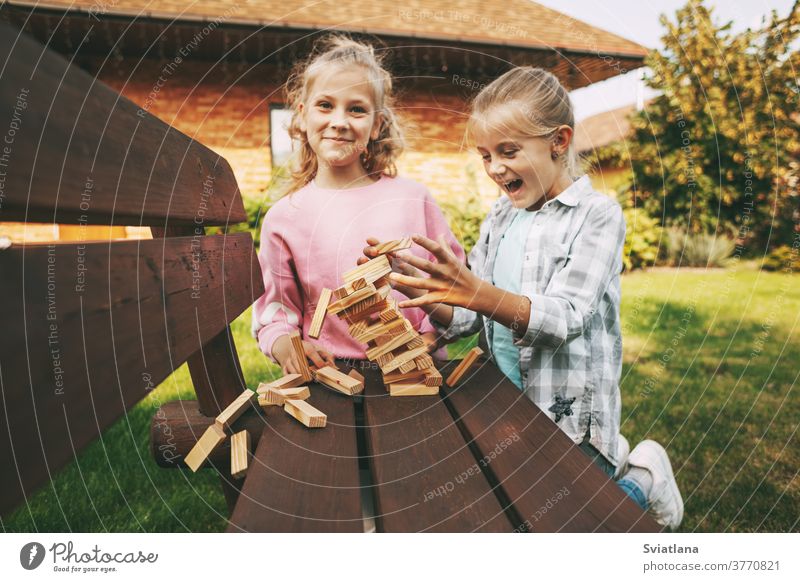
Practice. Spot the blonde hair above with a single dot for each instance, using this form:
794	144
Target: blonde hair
539	105
380	154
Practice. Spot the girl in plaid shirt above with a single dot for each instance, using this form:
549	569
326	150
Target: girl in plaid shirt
543	281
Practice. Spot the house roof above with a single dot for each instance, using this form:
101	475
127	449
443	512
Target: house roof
603	129
512	23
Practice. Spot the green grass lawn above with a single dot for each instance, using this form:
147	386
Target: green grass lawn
710	371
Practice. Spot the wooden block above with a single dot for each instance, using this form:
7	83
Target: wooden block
404	358
211	439
287	381
433	377
305	413
363	311
464	366
353	373
357	329
349	288
319	313
415	343
333	378
371	270
297	346
424	362
394	245
358	284
240	454
296	393
407	366
352	299
412	390
235	409
414	376
392	344
271	397
378	329
384	359
390	313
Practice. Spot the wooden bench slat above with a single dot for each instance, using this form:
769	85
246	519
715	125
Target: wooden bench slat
75	358
425	477
552	484
301	479
83	154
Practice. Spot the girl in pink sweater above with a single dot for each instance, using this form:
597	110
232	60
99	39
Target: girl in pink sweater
343	191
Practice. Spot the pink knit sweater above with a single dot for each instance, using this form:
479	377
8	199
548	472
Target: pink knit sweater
310	238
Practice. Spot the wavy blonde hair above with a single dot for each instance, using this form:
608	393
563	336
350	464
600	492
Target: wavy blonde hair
538	105
380	154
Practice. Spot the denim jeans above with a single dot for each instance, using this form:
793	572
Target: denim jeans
631	488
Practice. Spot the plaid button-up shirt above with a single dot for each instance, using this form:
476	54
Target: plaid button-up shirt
571	348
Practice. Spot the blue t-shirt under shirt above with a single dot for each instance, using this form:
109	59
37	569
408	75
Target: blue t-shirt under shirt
507	276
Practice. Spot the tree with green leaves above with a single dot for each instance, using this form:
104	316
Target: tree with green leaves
718	150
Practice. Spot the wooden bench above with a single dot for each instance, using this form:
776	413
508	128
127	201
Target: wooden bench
478	457
90	328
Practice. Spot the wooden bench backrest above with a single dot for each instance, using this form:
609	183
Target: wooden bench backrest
89	328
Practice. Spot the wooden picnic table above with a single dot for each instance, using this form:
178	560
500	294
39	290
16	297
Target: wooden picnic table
478	457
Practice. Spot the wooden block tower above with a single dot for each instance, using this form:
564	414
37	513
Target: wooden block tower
374	319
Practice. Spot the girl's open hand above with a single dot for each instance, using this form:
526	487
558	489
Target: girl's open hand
283	352
449	280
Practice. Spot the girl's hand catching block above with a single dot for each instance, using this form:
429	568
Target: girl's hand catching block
449	280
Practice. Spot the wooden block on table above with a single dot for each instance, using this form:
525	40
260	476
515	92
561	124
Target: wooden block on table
319	314
235	409
211	439
305	413
464	366
353	373
414	376
271	397
412	390
394	245
300	353
372	270
296	393
433	377
333	378
240	454
287	381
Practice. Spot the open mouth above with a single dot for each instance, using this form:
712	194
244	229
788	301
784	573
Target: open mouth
513	185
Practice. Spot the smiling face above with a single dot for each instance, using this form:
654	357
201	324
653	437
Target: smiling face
522	165
339	117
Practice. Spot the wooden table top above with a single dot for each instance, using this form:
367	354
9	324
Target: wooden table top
477	457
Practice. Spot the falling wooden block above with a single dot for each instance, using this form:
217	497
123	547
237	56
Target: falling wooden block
235	409
372	270
287	381
211	439
353	373
421	389
464	366
305	413
333	378
319	314
352	299
240	452
300	353
393	246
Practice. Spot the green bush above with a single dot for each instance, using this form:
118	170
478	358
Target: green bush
465	213
642	235
685	249
783	258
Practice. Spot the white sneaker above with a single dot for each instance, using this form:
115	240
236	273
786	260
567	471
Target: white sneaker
666	504
623	450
